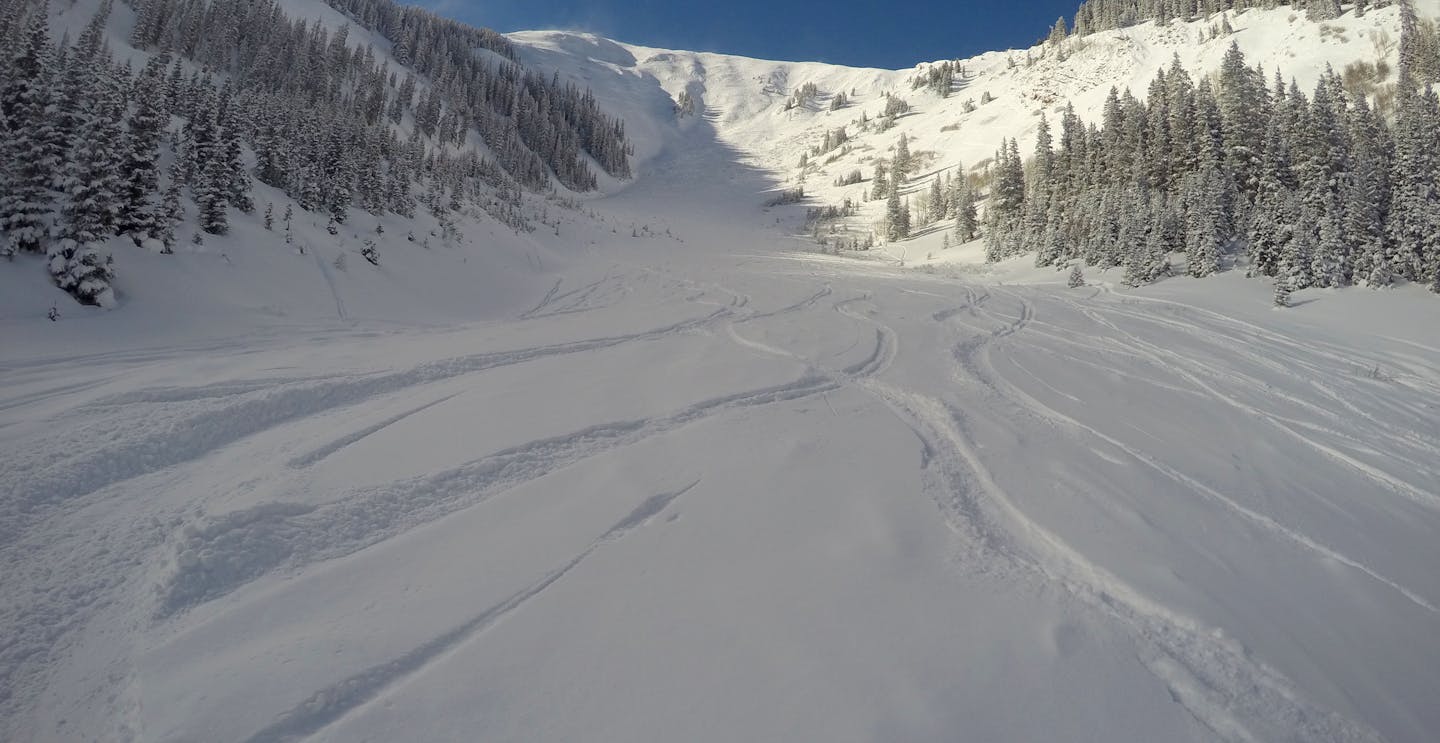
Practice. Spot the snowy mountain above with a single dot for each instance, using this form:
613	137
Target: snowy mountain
674	457
427	131
831	143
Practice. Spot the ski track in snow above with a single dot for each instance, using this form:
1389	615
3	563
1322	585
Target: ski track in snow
1212	677
116	449
602	292
1182	365
1235	695
1260	520
329	705
239	547
315	455
153	430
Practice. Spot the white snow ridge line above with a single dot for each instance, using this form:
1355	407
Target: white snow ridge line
332	703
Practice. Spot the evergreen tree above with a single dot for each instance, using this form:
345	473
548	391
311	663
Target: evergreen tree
172	212
211	195
966	219
34	132
1322	10
897	220
900	166
1365	195
84	270
1243	101
1282	292
1007	203
235	178
1057	32
139	207
1208	225
1331	264
1297	259
1415	209
79	260
90	184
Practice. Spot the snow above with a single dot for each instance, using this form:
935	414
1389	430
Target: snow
713	486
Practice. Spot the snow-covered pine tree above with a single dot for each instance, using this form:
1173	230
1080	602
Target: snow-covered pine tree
212	196
897	223
1037	201
1365	195
1269	224
1208	226
1007	204
79	261
172	211
966	217
85	270
139	202
901	165
1155	262
1282	292
1077	277
1415	208
1322	10
34	133
879	185
235	178
1330	265
1244	102
92	179
1298	258
1058	32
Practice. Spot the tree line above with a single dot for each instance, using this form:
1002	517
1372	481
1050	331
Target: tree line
329	121
1106	15
1316	190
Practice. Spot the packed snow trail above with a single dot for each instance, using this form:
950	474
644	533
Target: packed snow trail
717	489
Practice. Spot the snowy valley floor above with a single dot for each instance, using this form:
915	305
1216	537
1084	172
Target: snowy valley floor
720	489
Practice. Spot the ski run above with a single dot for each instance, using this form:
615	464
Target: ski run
592	391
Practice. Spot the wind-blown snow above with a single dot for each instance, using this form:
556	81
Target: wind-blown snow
712	487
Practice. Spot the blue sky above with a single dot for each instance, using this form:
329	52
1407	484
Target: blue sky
888	34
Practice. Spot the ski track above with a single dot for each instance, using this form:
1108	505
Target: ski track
152	430
557	303
1223	688
1235	696
544	301
1180	365
125	447
1370	428
51	393
340	312
315	455
1259	520
239	547
217	556
332	703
